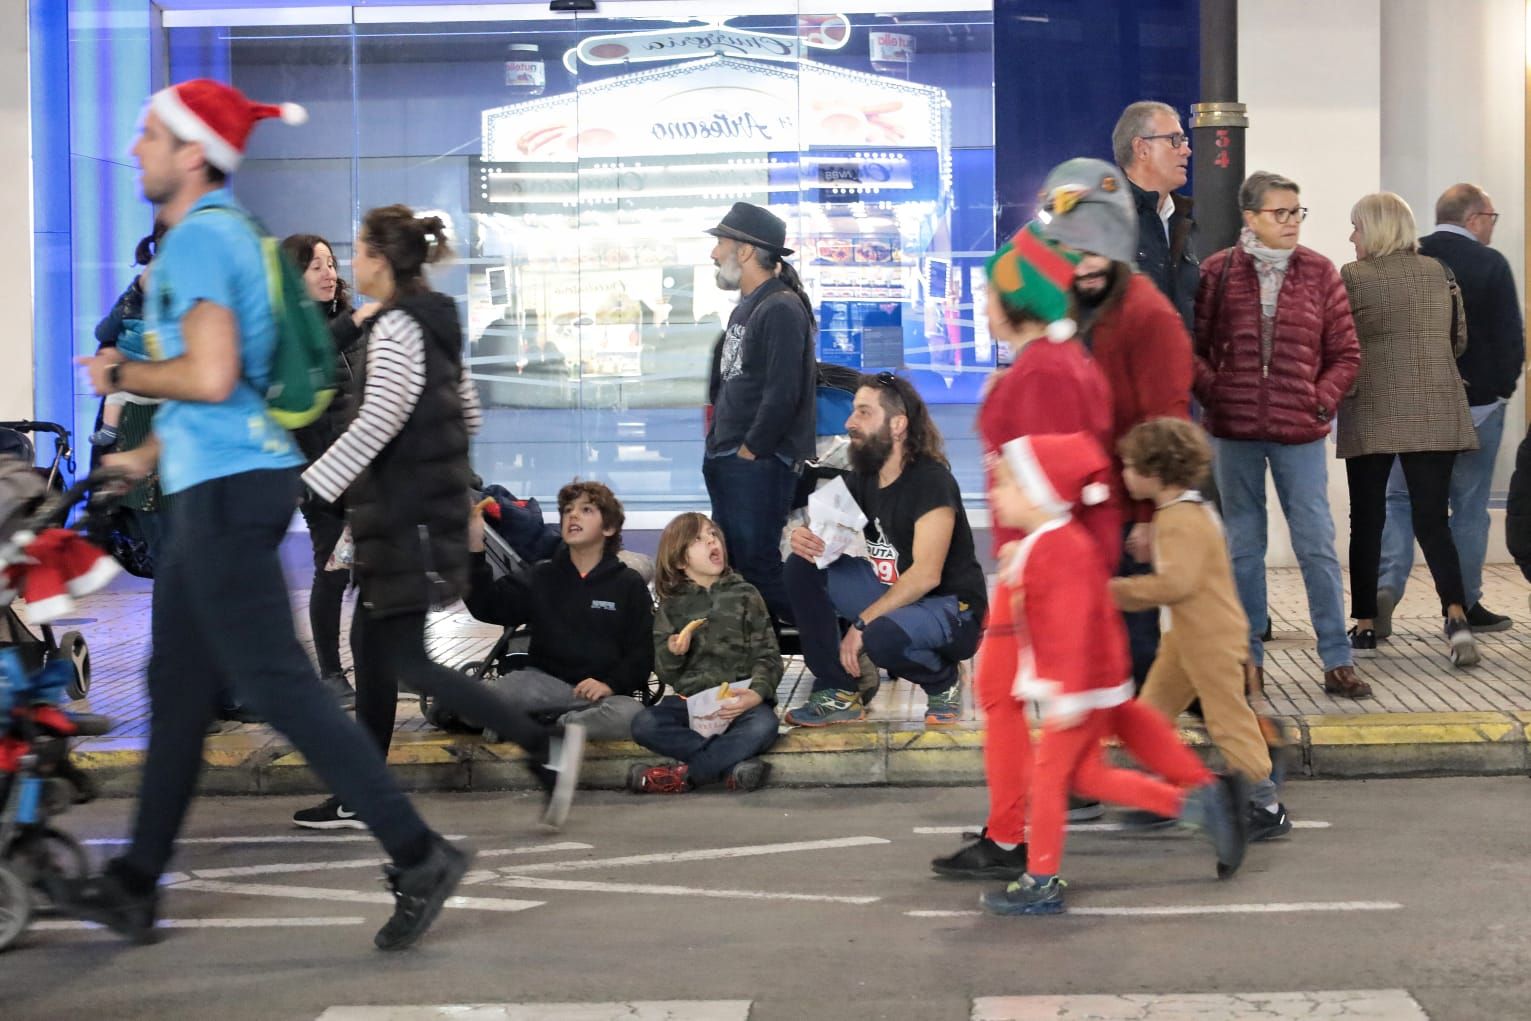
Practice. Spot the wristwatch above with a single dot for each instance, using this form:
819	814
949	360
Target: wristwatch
114	375
859	624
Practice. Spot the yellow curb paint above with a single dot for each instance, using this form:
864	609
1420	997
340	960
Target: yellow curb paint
1373	720
1467	728
845	738
934	739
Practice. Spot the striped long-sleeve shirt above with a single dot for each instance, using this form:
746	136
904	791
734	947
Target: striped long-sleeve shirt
395	381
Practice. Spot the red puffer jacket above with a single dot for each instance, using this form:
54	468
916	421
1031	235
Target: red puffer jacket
1291	397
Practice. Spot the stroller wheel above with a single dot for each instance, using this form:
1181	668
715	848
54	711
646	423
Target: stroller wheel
72	646
15	906
48	854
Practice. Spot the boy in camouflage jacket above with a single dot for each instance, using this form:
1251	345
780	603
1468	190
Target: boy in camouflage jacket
711	628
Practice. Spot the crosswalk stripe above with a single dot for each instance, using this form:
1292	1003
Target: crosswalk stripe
66	925
333	838
1162	910
542	883
633	1010
1353	1004
346	896
701	854
236	871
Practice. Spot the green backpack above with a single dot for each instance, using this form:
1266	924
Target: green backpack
302	380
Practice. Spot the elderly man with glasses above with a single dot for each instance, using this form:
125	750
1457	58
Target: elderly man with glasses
1154	152
1490	368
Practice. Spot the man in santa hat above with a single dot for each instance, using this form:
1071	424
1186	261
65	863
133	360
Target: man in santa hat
221	615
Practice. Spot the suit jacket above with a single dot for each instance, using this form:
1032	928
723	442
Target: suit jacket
1408	396
1496	336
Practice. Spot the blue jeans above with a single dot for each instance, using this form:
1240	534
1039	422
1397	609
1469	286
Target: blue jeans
666	728
1472	480
922	642
1301	473
750	503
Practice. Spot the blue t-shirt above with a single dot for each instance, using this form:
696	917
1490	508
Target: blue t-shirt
215	257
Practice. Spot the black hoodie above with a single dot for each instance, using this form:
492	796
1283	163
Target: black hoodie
597	626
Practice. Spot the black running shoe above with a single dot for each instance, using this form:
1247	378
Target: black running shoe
1268	824
104	899
749	775
419	893
329	814
982	859
1363	642
1141	820
1483	619
1084	810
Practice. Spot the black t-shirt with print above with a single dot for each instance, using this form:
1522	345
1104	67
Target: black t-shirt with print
924	486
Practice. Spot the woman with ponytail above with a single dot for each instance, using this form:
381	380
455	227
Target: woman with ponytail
402	467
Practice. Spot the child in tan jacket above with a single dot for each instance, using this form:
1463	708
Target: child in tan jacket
1205	633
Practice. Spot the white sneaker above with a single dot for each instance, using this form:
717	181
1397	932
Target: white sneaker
565	756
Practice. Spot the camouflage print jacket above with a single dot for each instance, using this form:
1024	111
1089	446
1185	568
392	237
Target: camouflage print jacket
737	641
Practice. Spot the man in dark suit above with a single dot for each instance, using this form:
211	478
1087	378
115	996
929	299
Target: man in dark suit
1490	367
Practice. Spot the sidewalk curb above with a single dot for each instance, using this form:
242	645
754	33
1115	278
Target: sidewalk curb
1372	745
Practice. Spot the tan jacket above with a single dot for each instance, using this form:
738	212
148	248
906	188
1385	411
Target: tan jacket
1192	580
1408	396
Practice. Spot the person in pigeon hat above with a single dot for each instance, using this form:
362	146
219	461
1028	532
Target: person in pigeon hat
761	389
1071	664
1133	332
232	471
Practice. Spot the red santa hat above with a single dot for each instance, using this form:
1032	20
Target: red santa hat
1058	471
217	115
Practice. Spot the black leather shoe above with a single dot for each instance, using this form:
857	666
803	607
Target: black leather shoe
1480	619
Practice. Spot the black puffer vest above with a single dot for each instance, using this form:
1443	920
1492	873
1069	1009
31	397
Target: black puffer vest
408	510
313	440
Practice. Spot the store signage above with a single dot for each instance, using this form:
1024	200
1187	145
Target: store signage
891	51
721	105
855	174
712	38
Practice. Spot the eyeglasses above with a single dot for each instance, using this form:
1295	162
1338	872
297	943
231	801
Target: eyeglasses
1176	140
1298	213
1492	217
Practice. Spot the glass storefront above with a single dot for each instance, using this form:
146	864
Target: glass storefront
578	158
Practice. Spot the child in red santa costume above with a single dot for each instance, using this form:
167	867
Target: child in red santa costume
1072	665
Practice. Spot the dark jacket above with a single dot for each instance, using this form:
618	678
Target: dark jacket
127	314
737	642
1496	334
408	509
314	439
597	626
1169	262
763	379
1517	514
1288	395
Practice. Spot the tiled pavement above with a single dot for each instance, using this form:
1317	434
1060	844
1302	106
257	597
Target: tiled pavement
1411	674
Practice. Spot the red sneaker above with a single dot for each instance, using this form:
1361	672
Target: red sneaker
672	779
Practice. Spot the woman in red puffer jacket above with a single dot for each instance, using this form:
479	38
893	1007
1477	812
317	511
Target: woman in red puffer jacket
1276	351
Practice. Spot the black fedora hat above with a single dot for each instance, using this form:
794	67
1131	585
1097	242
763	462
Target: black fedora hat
754	226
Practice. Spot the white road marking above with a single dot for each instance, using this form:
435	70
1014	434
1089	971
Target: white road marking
633	1010
347	896
1359	1004
1102	827
335	838
62	925
1200	909
535	883
235	872
702	854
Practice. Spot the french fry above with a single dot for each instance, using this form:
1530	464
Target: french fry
725	691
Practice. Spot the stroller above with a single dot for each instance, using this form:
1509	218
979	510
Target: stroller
14	633
37	779
514	540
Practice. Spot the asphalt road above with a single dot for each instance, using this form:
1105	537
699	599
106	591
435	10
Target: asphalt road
815	904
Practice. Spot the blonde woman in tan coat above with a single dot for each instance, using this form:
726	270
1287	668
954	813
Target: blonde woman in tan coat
1409	403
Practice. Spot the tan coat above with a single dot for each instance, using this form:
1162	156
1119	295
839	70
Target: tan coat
1408	396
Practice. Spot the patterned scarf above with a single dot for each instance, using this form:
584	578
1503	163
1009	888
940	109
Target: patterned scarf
1270	267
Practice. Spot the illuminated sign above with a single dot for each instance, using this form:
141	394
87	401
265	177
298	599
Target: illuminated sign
712	38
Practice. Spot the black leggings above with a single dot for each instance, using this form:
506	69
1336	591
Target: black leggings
390	648
329	590
1428	476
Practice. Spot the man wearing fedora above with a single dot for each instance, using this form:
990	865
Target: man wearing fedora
762	393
